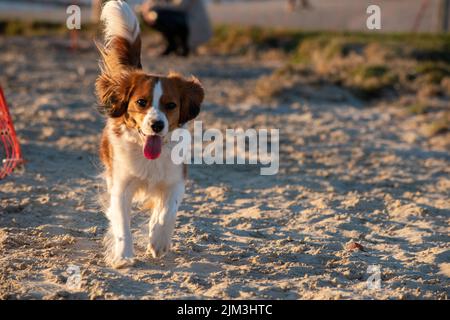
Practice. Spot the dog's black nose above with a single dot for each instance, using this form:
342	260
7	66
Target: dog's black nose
157	126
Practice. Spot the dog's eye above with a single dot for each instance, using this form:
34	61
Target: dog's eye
142	103
171	105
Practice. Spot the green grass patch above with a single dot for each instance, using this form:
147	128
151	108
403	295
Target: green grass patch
38	28
365	72
418	108
433	71
369	81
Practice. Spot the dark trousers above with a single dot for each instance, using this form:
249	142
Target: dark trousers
173	25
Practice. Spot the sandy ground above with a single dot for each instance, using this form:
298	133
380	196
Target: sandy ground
348	173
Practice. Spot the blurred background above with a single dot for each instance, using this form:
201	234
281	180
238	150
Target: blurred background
398	15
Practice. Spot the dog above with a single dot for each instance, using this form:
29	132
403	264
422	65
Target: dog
142	111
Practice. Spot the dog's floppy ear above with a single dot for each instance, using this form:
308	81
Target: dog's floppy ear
113	93
192	95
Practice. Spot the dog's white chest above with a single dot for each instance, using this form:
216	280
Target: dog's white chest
161	170
129	159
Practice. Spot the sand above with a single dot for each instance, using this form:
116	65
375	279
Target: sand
358	186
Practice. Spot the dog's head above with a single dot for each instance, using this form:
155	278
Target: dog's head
153	105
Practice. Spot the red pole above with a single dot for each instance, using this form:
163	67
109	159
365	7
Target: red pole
73	40
9	140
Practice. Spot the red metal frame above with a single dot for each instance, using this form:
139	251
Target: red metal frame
9	140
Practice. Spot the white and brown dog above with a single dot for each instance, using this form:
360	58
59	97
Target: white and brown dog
142	111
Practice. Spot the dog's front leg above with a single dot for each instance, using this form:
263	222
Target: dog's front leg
120	252
162	222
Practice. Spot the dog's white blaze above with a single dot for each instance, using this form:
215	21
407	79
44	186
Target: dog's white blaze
157	93
155	113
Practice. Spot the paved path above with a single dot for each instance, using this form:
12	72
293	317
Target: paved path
397	15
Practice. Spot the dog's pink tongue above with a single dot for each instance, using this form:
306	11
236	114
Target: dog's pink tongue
152	148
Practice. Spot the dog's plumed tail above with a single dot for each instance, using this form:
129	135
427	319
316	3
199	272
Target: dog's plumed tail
122	42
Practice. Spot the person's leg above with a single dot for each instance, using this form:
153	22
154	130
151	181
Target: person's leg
173	24
171	44
158	20
184	39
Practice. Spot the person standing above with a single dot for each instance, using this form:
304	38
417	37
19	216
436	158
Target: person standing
184	23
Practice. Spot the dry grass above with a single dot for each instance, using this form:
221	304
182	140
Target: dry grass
368	64
373	67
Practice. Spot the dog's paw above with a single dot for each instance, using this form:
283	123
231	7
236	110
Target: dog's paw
121	263
117	257
159	244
